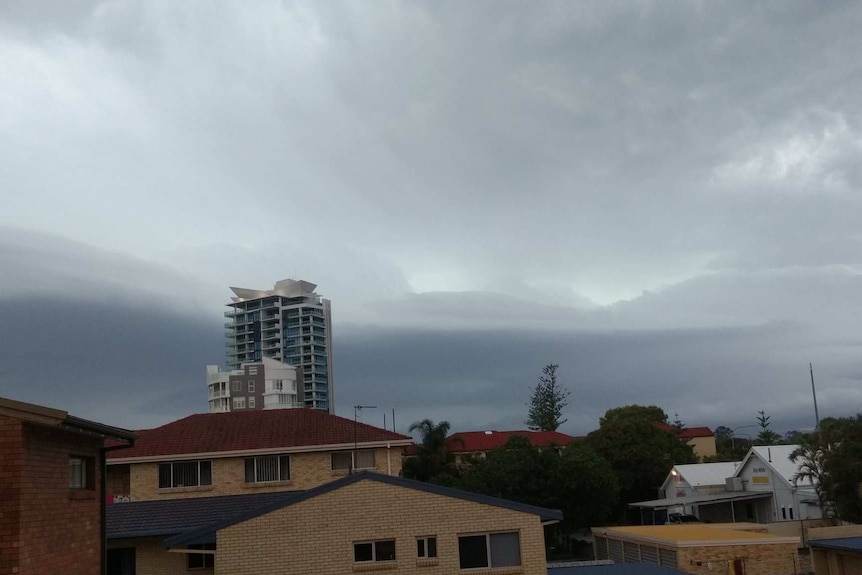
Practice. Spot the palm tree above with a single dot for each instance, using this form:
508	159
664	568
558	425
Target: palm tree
433	459
810	456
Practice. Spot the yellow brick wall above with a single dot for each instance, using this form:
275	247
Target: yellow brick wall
835	532
152	559
307	470
703	446
317	535
771	559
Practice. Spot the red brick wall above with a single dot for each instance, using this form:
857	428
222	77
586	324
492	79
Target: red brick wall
118	480
11	451
59	527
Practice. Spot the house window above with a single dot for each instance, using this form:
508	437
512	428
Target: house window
374	551
251	402
81	472
251	387
236	385
426	547
185	474
489	550
343	460
239	403
201	560
267	468
121	561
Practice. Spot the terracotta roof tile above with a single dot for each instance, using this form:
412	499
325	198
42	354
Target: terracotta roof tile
488	440
247	430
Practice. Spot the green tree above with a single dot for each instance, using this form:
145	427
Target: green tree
547	402
841	442
575	479
433	460
766	435
640	453
677	424
728	448
646	413
811	456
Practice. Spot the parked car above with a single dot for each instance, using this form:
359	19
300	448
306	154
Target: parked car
681	518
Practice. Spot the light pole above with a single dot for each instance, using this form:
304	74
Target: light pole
733	434
356	410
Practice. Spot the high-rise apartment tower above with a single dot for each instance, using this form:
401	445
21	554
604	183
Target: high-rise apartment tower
291	324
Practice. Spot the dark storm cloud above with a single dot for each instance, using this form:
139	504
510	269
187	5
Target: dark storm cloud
664	198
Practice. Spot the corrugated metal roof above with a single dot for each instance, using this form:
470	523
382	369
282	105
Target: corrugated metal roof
705	474
702	499
778	457
840	543
614	569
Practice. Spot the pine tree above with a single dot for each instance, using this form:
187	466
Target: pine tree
547	403
766	435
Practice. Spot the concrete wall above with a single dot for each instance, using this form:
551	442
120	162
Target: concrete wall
46	527
307	470
703	446
316	536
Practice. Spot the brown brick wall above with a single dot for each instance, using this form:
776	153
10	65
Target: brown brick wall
11	468
317	535
58	528
765	559
307	470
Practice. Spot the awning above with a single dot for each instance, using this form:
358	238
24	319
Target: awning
723	497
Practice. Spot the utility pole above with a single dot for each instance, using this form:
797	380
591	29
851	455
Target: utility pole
814	393
356	410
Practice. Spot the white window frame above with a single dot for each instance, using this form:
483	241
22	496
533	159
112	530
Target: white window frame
172	463
251	386
488	554
425	551
236	385
374	559
352	464
238	403
81	472
281	461
251	402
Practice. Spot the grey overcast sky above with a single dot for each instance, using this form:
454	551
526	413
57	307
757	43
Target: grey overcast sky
662	197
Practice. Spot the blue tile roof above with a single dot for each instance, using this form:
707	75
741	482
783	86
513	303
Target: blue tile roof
841	543
207	534
172	516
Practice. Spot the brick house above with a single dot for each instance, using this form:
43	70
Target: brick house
699	549
372	522
236	453
52	503
701	439
191	471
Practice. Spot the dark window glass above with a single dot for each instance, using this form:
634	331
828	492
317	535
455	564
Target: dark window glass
363	552
249	470
121	561
432	547
165	476
206	477
200	560
420	548
385	550
473	551
284	467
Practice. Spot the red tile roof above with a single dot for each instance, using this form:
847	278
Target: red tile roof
488	440
248	430
688	432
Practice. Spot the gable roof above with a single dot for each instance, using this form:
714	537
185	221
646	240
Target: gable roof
703	474
50	417
687	432
172	516
239	431
208	534
778	458
488	440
